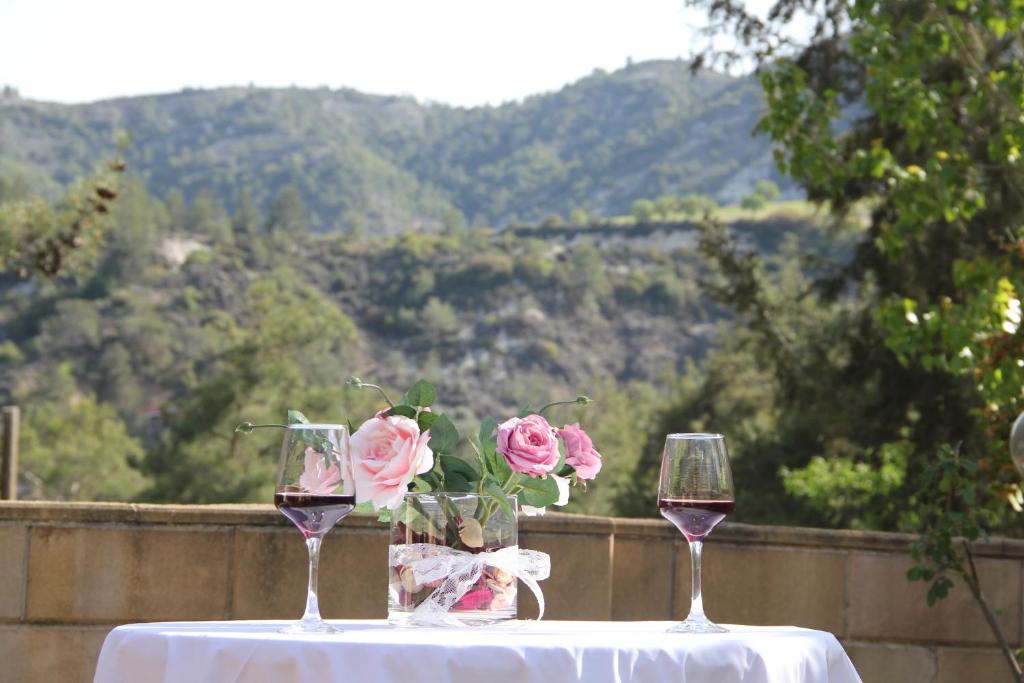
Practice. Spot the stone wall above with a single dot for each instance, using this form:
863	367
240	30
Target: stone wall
70	572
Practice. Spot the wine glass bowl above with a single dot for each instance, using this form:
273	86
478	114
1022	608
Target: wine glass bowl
695	493
315	490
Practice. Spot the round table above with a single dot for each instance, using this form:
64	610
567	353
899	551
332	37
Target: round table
548	651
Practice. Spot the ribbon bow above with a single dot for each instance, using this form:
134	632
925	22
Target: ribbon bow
459	571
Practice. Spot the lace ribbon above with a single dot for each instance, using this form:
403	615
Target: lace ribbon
458	571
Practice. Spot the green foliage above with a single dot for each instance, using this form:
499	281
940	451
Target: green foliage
439	318
74	448
934	153
643	210
859	490
753	202
767	189
292	335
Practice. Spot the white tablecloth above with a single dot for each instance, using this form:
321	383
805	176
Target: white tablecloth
548	651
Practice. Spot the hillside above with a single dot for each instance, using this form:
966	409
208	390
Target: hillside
388	164
175	336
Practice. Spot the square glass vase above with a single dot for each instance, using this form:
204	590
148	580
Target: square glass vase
439	543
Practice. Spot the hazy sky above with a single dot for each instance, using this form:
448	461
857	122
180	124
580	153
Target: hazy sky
455	51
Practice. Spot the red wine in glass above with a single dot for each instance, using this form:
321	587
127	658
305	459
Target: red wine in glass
695	493
314	514
695	518
315	491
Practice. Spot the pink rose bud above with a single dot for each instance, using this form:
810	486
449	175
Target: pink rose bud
579	451
387	452
528	444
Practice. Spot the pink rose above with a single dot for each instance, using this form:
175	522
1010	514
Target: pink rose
316	478
579	451
387	452
528	444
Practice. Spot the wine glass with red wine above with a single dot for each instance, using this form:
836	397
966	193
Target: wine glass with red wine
315	490
695	494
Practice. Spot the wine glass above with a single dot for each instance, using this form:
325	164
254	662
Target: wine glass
315	490
695	494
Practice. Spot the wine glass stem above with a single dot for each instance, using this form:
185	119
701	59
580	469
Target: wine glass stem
696	599
312	604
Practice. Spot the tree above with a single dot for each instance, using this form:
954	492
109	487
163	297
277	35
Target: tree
133	239
207	217
696	205
439	319
246	221
753	201
767	189
287	217
913	109
643	210
177	210
74	448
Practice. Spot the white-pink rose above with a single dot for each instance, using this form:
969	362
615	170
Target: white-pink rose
579	451
387	452
529	445
316	477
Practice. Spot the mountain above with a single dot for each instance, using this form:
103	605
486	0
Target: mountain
390	164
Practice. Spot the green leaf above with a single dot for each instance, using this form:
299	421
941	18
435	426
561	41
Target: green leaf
421	394
538	492
456	482
365	507
295	417
452	465
487	428
403	410
443	435
496	463
425	420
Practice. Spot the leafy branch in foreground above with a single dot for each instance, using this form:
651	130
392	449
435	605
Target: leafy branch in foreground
38	238
911	112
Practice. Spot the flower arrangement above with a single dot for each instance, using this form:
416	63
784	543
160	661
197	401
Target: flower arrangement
408	447
454	555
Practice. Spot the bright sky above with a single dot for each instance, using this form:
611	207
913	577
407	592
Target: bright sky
455	51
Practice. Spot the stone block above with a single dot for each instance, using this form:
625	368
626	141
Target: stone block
580	586
271	571
893	663
883	605
642	579
12	570
43	654
117	575
766	586
957	665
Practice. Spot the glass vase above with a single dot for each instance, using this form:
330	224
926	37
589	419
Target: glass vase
452	560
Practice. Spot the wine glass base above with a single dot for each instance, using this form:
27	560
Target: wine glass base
697	626
311	626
